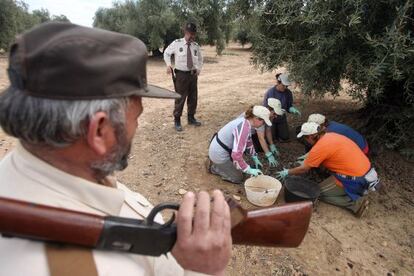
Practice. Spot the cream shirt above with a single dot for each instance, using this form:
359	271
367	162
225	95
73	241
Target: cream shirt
179	48
25	177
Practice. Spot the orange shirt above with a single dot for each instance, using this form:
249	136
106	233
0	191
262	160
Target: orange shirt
338	154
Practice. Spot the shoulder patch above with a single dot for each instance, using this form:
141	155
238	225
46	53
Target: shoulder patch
178	40
196	44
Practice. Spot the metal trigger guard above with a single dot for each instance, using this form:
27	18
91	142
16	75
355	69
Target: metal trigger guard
158	208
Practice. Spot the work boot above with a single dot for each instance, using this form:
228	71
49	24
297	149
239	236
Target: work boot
208	164
363	208
193	121
177	124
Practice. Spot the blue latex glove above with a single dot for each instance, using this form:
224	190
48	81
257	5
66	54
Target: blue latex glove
294	110
300	162
302	157
274	150
281	175
253	172
271	159
257	162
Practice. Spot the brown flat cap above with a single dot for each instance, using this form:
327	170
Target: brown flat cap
71	62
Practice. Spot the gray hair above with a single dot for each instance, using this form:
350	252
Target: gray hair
57	123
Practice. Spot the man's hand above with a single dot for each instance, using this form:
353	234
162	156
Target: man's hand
198	72
253	172
169	70
257	162
274	150
302	157
295	111
281	175
203	235
300	162
271	159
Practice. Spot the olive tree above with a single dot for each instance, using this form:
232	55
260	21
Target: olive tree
15	18
368	43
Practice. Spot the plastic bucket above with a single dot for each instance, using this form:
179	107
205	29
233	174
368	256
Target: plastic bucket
262	190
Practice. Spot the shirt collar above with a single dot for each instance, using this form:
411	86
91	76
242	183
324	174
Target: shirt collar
105	199
186	42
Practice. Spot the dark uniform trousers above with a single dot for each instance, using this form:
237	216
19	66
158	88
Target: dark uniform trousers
186	86
280	128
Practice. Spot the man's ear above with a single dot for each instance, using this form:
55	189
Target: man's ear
101	134
309	139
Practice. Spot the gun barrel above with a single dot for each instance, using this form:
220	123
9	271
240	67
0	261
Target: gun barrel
40	222
282	226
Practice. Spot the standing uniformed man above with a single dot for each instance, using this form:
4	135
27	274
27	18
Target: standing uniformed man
188	64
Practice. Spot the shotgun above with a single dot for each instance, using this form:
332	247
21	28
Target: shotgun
282	226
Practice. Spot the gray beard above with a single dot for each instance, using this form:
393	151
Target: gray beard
116	159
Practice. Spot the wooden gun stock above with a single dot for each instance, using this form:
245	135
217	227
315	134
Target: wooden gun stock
282	226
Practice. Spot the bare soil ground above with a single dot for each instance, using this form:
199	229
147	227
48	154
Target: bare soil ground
337	243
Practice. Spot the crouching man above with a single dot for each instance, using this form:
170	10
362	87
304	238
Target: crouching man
352	173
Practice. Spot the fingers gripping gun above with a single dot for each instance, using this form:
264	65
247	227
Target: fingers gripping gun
282	226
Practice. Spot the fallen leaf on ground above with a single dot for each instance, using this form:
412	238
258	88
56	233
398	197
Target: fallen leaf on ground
236	197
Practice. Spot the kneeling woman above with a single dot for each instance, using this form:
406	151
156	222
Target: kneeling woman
229	143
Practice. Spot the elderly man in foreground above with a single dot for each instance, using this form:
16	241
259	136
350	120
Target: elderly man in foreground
352	173
73	103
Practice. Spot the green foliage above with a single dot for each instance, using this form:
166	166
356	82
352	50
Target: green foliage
214	20
42	15
242	36
246	18
153	21
60	18
158	22
368	43
15	18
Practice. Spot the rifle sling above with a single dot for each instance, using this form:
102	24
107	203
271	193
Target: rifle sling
70	260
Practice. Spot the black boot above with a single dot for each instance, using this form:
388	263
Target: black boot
177	124
193	121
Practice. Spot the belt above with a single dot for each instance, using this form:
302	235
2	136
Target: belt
349	177
191	72
354	177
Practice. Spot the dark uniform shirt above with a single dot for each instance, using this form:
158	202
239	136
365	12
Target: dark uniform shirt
285	98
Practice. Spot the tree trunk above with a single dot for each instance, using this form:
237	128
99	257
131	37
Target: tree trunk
156	53
387	119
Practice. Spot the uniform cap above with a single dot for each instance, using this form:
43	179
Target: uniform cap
263	113
316	118
190	27
70	62
284	79
276	105
308	128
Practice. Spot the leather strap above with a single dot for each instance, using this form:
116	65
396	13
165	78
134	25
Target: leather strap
70	261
